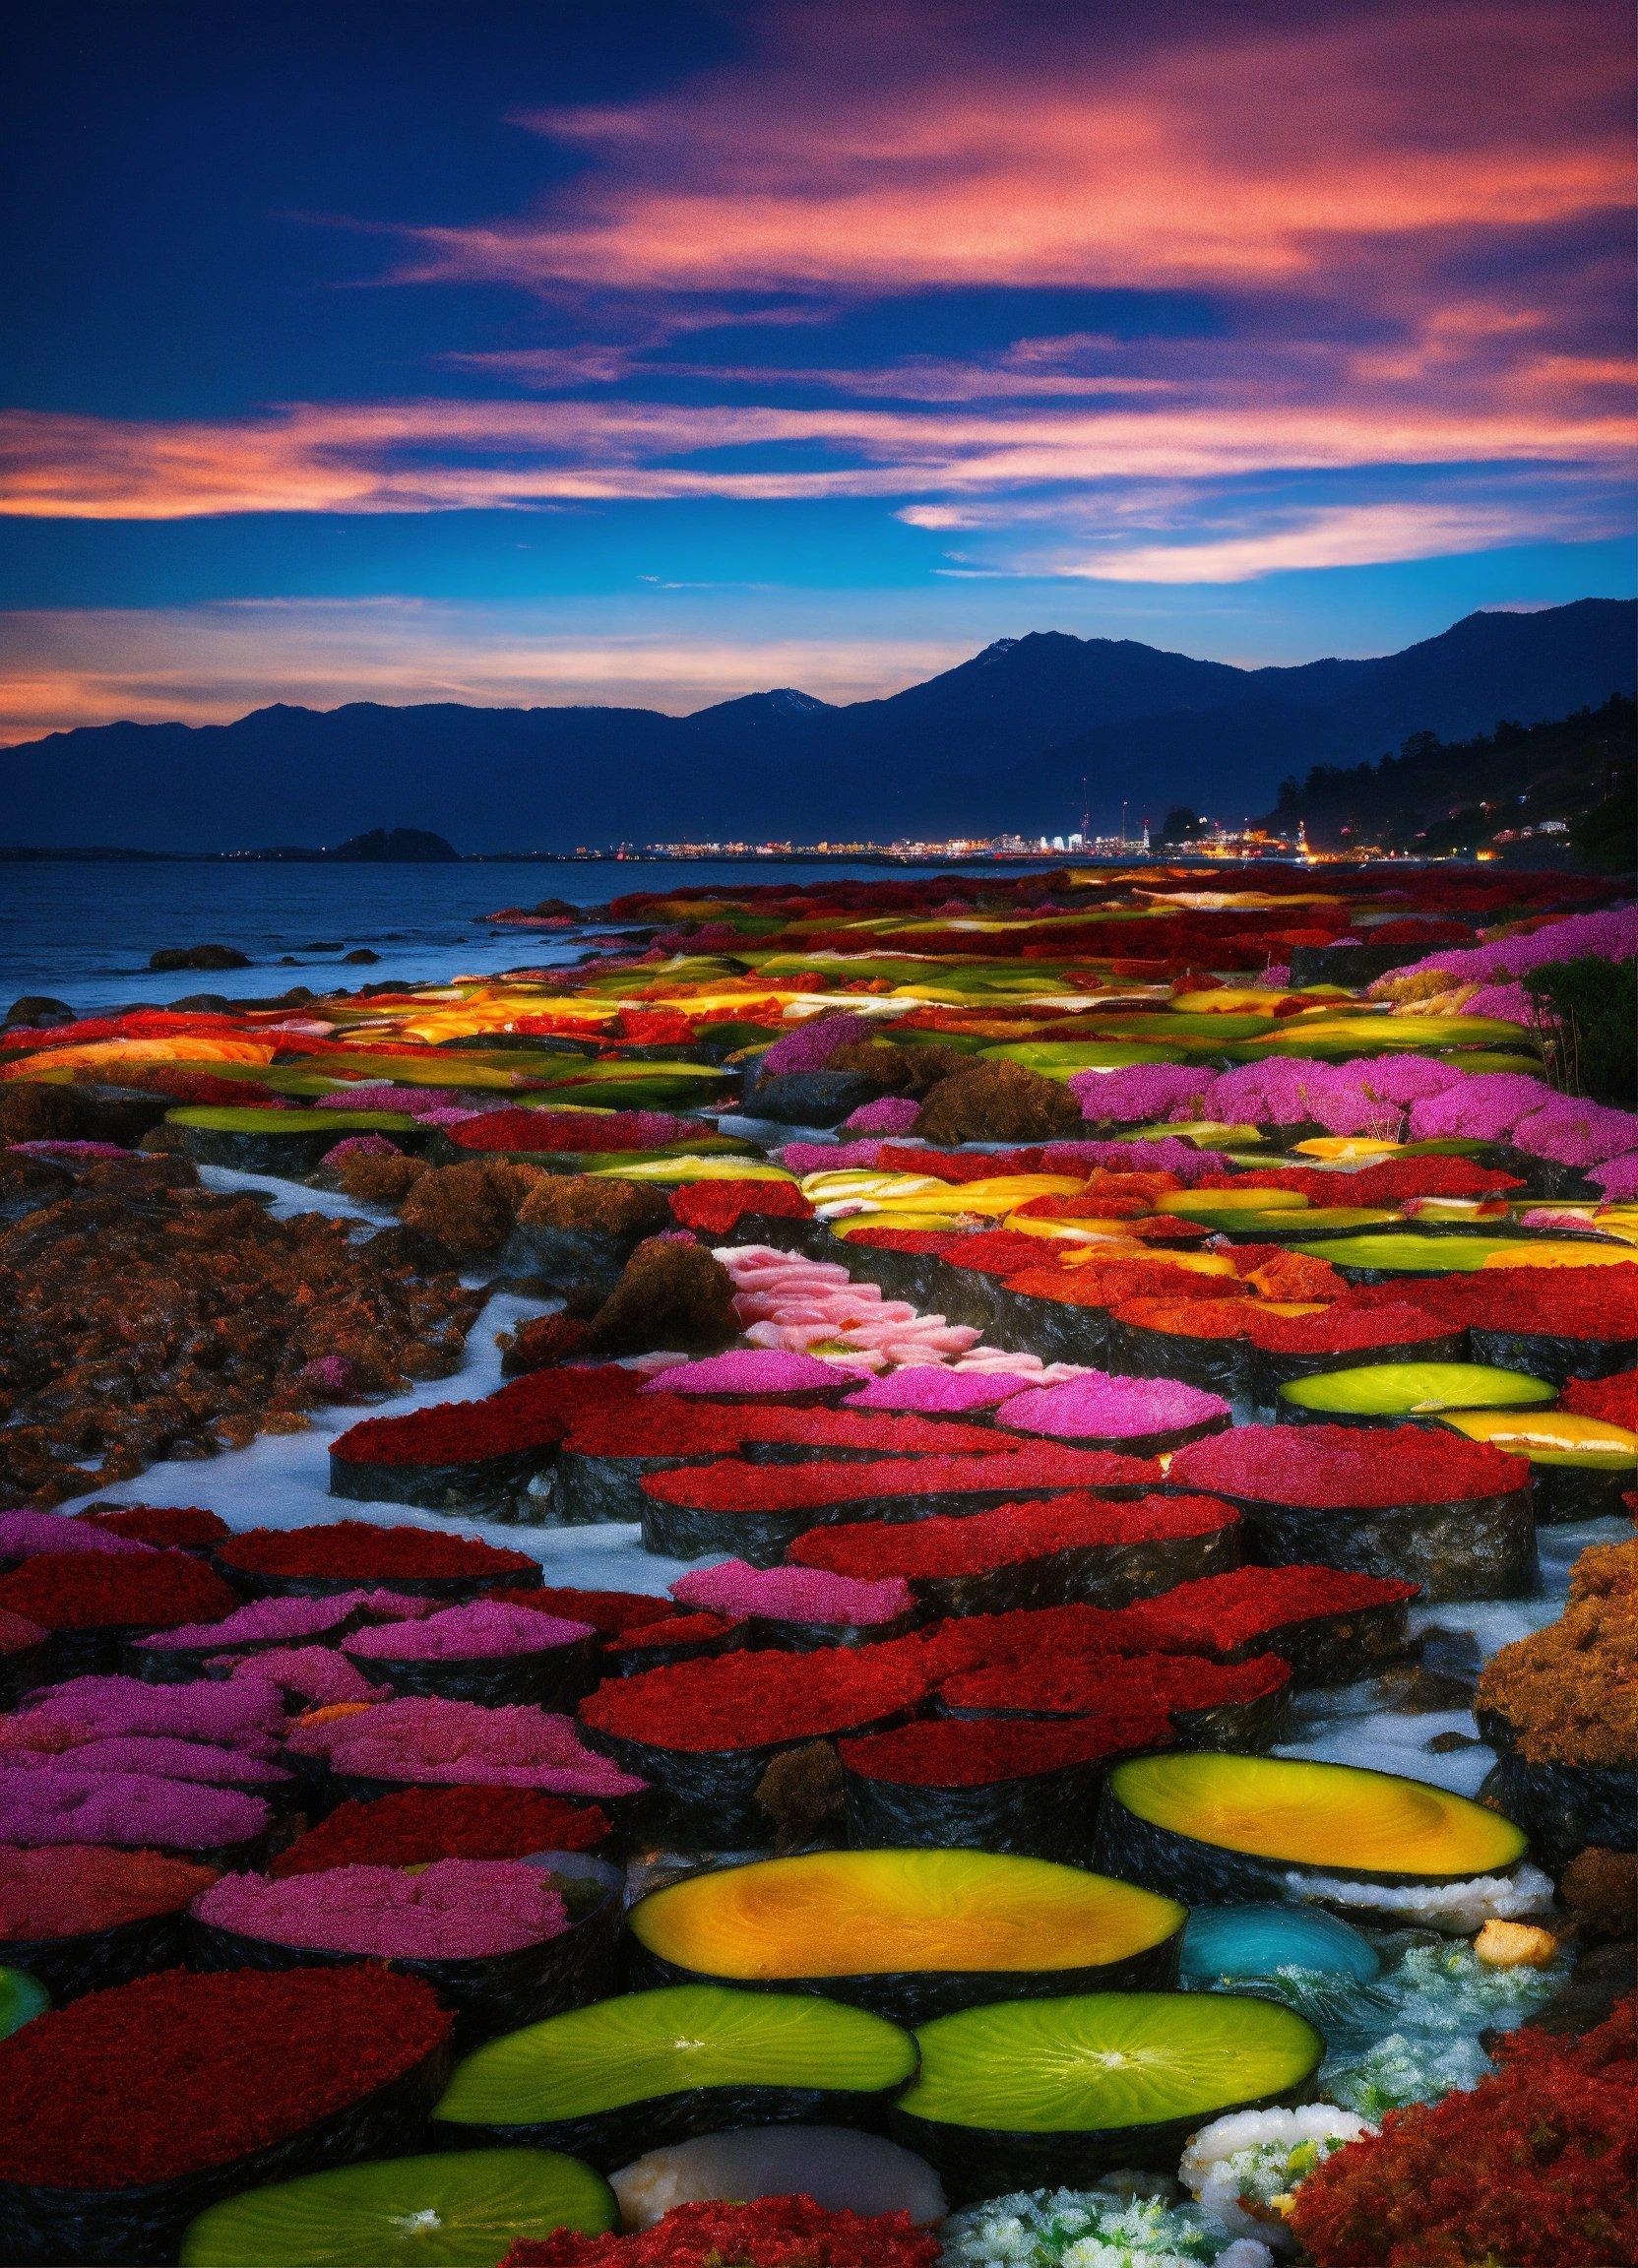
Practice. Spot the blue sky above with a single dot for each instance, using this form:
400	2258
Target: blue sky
522	353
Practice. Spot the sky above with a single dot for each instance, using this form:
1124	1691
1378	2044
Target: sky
502	350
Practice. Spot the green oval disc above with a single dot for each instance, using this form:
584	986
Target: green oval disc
669	2042
1104	2060
1414	1389
459	2209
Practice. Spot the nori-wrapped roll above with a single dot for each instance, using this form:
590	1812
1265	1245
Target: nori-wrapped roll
483	1488
67	1967
1475	1547
1562	1808
552	1677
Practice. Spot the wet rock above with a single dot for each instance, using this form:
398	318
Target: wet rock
1453	1652
27	1185
808	1098
359	955
323	945
202	1004
1446	1744
1601	1979
37	1012
170	956
400	1247
1414	1687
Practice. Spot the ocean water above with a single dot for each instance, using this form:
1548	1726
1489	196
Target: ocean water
82	932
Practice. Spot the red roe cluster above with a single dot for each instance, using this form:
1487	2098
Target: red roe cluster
79	1889
422	1824
357	1549
732	1487
1011	1534
1557	1302
1614	1399
769	2232
946	1753
716	1208
96	1589
174	1527
1220	1613
570	1130
178	2072
533	1413
1346	1468
670	1426
752	1699
1154	1684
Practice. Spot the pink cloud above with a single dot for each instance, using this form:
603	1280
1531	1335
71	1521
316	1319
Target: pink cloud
385	457
905	147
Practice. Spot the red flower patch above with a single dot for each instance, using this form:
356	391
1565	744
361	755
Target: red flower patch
422	1824
359	1548
180	1527
716	1208
106	1590
533	1413
177	2072
1007	1536
1538	2165
946	1753
1558	1302
1615	1399
672	1426
771	2232
1147	1683
748	1700
1220	1613
1346	1468
75	1889
735	1488
570	1130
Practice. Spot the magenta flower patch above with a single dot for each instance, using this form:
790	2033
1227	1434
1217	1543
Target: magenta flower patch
751	1373
454	1910
460	1743
1101	1407
473	1632
130	1809
793	1595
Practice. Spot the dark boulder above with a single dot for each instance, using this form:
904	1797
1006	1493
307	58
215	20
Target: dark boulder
170	956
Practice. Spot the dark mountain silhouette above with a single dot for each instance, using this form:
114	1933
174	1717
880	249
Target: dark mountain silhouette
1000	743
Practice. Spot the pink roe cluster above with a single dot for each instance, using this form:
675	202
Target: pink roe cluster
453	1909
793	1595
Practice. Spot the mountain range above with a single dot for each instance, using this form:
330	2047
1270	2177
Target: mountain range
1000	744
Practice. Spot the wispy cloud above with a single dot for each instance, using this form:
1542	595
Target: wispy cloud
448	455
1348	536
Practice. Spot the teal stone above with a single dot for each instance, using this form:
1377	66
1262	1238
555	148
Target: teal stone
1257	1940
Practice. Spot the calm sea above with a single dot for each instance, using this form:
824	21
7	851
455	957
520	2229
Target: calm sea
83	933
